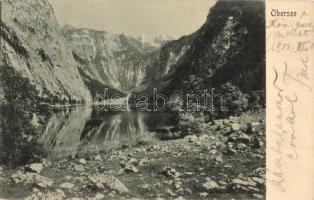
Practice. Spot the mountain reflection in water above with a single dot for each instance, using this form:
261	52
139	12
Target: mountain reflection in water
82	130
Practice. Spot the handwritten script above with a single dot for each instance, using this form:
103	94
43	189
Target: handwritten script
288	43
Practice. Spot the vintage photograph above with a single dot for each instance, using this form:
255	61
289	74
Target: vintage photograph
132	99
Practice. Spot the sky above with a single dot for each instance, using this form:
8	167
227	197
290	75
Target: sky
134	17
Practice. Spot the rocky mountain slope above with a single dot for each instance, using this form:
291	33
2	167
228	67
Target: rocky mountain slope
32	44
74	62
228	47
115	60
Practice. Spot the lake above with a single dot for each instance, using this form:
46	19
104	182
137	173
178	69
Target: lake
79	130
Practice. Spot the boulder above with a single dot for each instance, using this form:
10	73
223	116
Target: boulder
67	185
235	127
99	196
98	158
82	161
209	184
108	181
203	194
243	182
258	180
35	167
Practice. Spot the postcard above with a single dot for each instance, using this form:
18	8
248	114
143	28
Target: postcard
156	99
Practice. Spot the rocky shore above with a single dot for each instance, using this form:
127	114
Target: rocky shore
227	161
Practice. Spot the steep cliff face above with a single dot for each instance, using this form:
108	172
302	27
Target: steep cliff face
163	64
32	44
78	63
228	47
114	60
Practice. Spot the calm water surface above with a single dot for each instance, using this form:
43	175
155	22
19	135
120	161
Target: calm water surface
81	130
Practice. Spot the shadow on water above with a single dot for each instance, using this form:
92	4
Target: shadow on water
84	130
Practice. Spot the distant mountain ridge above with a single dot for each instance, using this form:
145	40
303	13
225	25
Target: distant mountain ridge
77	63
115	60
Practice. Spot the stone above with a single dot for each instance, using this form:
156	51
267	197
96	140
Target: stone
145	187
253	127
178	185
254	124
235	127
55	195
226	121
203	194
230	151
226	131
4	181
192	138
82	161
258	196
98	158
159	198
203	137
222	182
108	181
239	181
209	184
233	136
43	182
67	185
219	159
258	180
143	161
100	186
188	173
244	138
257	142
155	147
133	161
99	196
35	167
130	168
180	198
218	122
261	171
